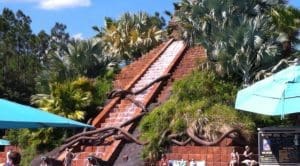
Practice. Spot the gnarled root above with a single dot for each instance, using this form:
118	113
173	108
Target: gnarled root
200	141
173	139
129	137
161	78
180	143
123	93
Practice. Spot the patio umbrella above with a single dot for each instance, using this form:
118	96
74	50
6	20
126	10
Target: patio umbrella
278	94
4	142
14	115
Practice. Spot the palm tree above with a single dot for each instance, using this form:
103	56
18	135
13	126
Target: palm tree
287	21
78	58
131	35
236	34
85	58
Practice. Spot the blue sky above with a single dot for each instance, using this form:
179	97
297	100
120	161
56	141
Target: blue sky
81	15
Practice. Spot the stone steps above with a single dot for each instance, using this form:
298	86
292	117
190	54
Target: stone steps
124	109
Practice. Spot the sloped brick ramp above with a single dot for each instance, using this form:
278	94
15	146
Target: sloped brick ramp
172	57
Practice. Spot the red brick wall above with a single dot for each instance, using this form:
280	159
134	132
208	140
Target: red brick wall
212	155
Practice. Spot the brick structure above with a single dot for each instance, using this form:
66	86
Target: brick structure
218	155
183	60
6	149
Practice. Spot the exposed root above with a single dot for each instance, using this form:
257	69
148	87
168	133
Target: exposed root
123	93
173	139
137	103
129	137
180	143
99	135
200	141
163	135
161	78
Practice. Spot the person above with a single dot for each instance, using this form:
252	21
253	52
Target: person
163	161
234	158
14	159
182	162
248	155
44	161
68	158
7	154
193	163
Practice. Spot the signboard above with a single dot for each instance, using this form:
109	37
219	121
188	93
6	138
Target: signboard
279	146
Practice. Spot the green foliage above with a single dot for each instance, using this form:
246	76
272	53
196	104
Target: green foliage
19	64
33	142
287	22
238	35
73	99
66	59
286	19
76	99
131	35
199	86
199	96
220	114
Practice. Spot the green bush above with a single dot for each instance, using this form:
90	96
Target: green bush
76	99
198	97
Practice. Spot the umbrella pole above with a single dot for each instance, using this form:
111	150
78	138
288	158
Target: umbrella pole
298	120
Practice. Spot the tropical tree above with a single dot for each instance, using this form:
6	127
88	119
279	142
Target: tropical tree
66	99
85	58
66	59
238	35
54	59
131	35
19	63
287	22
76	99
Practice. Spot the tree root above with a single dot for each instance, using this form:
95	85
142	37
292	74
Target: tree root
181	143
163	135
200	141
161	78
84	136
89	135
123	93
129	138
173	139
137	103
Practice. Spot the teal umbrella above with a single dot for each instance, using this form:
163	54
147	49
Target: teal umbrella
4	142
14	115
278	94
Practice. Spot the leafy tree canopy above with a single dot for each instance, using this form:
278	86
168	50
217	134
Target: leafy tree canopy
239	36
131	35
17	53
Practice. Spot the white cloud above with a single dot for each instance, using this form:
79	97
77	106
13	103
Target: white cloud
60	4
78	36
54	4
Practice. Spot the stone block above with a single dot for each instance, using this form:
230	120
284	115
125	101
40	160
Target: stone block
210	157
217	158
217	150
